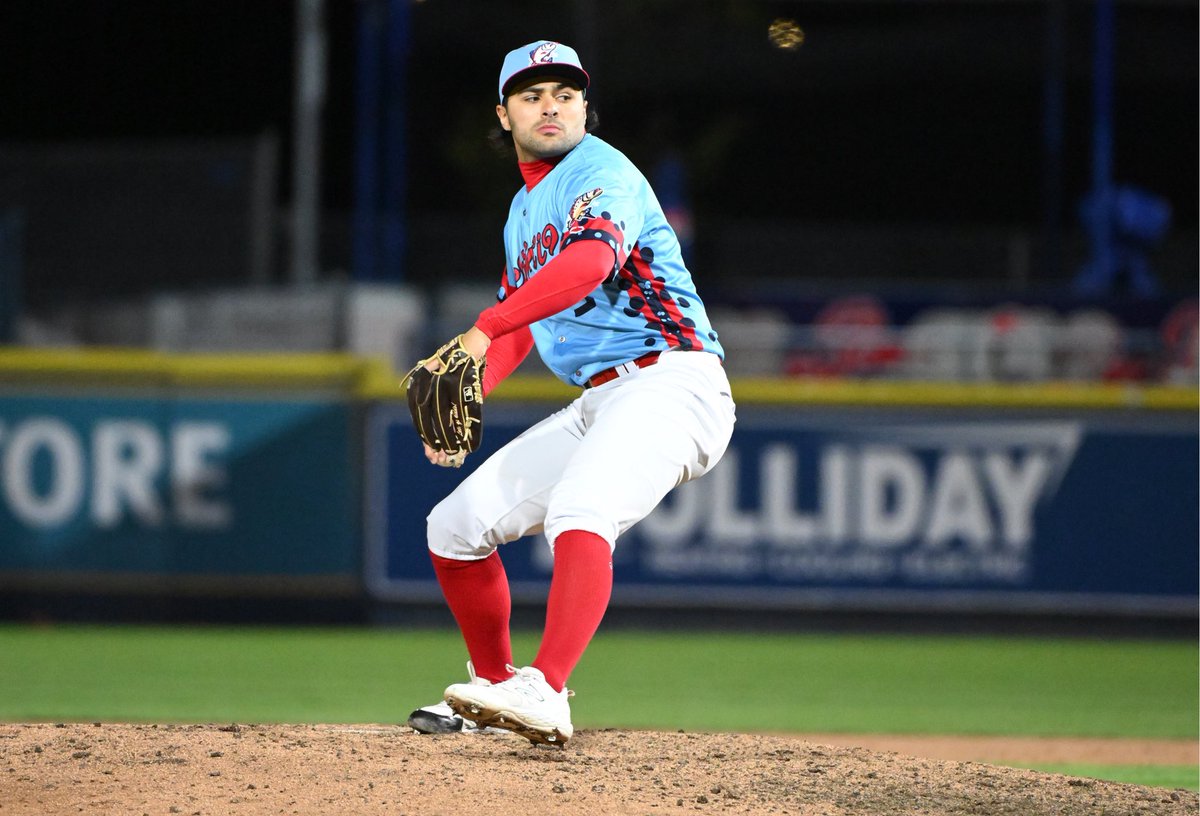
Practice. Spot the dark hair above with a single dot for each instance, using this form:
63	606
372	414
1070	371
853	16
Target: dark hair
501	140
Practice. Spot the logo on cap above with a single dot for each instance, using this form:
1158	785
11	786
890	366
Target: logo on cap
543	54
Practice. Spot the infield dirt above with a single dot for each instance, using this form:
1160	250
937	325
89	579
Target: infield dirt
341	769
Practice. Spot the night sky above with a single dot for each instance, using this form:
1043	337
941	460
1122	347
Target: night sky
892	112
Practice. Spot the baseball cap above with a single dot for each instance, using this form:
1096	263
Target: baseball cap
541	58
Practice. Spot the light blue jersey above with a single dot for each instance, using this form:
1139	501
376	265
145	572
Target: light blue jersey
648	302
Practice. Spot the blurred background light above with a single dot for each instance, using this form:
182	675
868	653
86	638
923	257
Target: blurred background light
785	34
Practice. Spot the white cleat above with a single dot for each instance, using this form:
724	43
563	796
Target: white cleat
524	704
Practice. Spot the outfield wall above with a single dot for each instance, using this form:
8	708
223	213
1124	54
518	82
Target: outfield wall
299	476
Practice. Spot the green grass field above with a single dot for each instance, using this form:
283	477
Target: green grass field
697	681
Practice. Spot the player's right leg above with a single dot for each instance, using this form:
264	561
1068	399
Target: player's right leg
524	704
663	426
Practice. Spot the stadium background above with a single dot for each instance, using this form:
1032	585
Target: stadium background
218	244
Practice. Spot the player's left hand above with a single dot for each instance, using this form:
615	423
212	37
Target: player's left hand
443	459
445	398
476	343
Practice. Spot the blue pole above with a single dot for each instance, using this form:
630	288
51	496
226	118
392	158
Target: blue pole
10	274
1103	255
366	141
1053	136
395	151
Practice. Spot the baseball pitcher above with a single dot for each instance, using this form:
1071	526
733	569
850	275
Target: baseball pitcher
596	281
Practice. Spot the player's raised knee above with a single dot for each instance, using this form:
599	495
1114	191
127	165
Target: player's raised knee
454	532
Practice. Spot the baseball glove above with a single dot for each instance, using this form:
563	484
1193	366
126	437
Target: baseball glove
447	403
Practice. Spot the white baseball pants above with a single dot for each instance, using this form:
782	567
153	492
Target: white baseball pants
599	465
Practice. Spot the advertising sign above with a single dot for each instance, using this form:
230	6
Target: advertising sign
884	509
177	486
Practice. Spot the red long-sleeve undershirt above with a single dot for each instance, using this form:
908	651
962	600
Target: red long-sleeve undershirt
504	355
564	281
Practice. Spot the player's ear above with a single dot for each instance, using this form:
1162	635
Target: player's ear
502	115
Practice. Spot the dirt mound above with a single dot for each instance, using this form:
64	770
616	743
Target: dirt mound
338	769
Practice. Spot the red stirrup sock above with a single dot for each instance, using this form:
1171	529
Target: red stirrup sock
580	588
477	594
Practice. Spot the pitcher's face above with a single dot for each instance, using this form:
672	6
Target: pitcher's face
546	118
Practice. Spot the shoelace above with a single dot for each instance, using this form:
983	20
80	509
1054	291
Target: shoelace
475	679
525	678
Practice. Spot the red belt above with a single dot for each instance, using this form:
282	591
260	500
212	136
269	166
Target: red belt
609	374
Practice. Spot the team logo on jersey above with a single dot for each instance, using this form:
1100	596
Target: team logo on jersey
543	54
580	208
534	254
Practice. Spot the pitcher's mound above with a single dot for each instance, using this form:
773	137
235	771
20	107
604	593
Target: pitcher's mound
340	769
